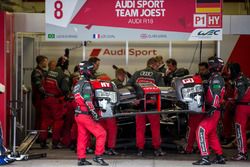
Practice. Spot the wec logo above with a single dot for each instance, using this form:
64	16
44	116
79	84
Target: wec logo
208	33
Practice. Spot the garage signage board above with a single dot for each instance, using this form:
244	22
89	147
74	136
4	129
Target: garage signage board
110	20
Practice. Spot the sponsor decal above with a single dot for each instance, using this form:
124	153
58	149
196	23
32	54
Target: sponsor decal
103	36
188	81
206	34
239	137
209	33
146	73
66	36
105	85
95	52
96	36
51	36
60	36
207	20
202	141
153	36
121	52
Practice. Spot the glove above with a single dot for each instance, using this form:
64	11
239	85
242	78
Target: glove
42	93
211	110
94	115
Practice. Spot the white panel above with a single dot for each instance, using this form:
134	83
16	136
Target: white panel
29	22
240	24
226	24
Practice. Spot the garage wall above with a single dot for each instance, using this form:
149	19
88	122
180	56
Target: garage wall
110	53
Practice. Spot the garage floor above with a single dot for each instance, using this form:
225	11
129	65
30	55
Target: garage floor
127	158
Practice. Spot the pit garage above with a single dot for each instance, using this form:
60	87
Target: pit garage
25	38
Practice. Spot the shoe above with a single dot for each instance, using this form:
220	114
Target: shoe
159	152
83	161
43	145
240	157
57	146
184	151
89	150
219	159
111	152
140	153
72	146
100	161
4	160
203	161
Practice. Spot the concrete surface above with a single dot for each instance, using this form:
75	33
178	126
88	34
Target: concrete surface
119	163
127	158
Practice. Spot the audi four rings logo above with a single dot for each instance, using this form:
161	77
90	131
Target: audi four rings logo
146	73
210	32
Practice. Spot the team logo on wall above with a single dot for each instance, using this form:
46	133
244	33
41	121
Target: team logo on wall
95	52
121	52
206	34
113	20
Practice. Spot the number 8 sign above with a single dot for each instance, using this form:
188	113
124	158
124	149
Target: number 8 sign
60	12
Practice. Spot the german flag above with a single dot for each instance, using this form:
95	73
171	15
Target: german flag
208	6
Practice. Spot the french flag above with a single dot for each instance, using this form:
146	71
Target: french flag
96	36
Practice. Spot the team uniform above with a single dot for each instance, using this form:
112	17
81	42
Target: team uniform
228	114
38	93
206	134
53	108
85	115
242	114
147	75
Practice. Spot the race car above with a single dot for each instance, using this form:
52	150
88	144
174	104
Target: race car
185	95
173	103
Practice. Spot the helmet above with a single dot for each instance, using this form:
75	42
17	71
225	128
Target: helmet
86	69
215	64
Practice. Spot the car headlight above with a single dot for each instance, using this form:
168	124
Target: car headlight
99	93
112	96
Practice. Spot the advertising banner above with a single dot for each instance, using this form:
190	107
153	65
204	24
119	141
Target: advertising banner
81	20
